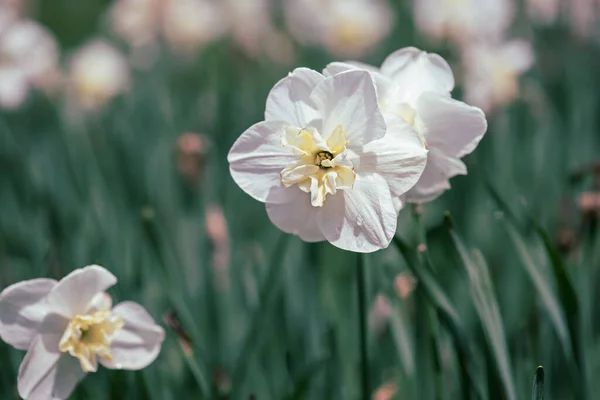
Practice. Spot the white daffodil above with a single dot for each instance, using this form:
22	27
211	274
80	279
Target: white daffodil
67	327
463	20
98	72
416	86
346	28
492	72
327	162
28	59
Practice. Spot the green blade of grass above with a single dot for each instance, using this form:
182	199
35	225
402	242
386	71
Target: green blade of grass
488	311
447	314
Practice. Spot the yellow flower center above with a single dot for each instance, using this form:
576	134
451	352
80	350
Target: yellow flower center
322	167
89	335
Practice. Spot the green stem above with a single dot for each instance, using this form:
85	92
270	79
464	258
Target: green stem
362	310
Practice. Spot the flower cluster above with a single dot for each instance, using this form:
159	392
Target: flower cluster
340	152
70	326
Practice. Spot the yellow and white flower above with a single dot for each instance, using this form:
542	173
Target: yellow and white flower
416	86
346	28
98	72
327	162
492	72
70	326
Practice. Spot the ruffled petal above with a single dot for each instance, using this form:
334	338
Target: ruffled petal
363	219
450	125
138	343
73	294
414	72
298	217
399	157
289	100
22	309
349	99
256	160
38	372
382	82
434	180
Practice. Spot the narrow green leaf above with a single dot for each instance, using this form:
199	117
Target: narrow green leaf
447	314
487	308
544	289
537	389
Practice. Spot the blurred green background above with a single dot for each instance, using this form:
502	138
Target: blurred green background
509	280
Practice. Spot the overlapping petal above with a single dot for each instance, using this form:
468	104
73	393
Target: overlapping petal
290	101
138	343
450	125
363	219
297	217
349	99
399	157
256	160
75	291
22	309
415	72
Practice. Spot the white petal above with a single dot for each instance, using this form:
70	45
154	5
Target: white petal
349	99
414	72
382	82
364	219
138	343
40	363
73	294
99	302
434	180
289	100
450	125
297	217
400	156
22	309
60	381
256	160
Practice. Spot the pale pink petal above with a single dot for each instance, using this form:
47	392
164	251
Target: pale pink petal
298	216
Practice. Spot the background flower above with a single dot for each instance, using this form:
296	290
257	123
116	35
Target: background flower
67	326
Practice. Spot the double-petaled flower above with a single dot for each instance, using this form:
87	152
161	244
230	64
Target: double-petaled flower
70	326
416	86
328	162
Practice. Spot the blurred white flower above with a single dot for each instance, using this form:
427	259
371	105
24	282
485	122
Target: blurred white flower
346	28
249	22
98	72
463	21
492	72
136	21
28	58
190	24
327	162
545	11
186	25
67	327
416	86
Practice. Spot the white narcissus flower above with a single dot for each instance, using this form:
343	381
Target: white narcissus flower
416	86
327	162
346	28
67	327
492	72
98	72
463	20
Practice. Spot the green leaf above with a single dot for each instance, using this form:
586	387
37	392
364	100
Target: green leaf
488	311
537	389
447	314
